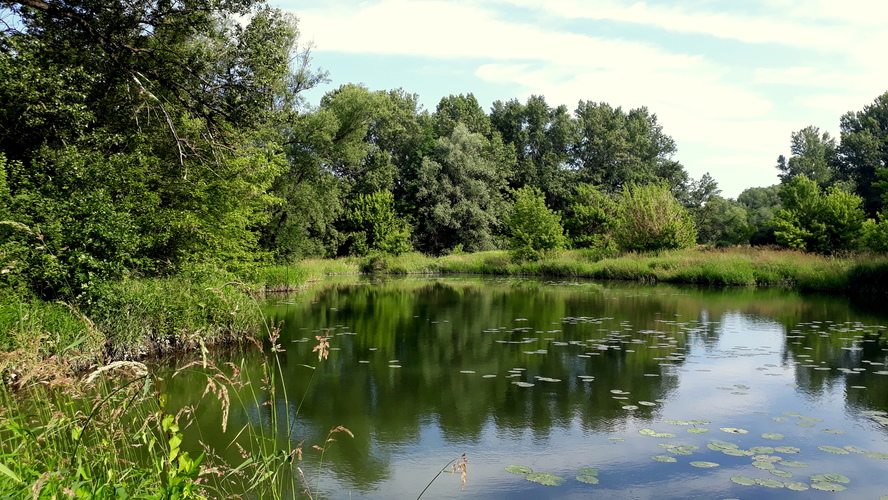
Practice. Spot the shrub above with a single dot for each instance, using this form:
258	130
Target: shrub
650	219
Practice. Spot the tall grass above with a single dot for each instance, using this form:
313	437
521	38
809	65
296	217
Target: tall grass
110	434
726	267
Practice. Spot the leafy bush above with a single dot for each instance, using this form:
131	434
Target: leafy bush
816	222
650	219
533	226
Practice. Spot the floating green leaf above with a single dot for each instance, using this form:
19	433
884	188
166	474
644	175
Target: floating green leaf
587	472
721	445
647	432
698	430
780	472
745	481
834	431
828	487
587	479
770	483
763	465
834	449
738	453
664	458
734	430
792	463
796	486
882	456
519	469
545	478
773	435
830	478
804	424
787	449
762	449
855	449
811	419
630	407
767	458
704	465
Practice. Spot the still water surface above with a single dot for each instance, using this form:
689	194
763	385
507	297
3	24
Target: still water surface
561	376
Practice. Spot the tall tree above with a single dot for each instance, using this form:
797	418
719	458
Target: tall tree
458	194
614	148
813	155
541	137
147	131
863	151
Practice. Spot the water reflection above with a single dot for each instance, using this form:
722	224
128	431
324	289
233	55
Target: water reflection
559	376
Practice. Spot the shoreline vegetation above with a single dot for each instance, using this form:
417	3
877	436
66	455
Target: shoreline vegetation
134	318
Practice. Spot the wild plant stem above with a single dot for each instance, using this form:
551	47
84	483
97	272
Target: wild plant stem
436	477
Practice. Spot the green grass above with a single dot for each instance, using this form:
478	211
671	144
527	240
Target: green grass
726	267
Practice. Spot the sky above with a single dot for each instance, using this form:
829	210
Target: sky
728	80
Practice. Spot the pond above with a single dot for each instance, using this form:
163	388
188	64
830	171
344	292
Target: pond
599	388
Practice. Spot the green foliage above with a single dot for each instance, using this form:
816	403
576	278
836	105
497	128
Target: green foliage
813	155
722	222
650	218
458	194
615	148
817	222
761	204
863	151
875	233
534	228
376	226
591	218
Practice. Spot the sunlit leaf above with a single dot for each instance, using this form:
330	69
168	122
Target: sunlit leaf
664	458
796	486
545	478
773	435
734	430
587	471
830	478
770	483
519	469
828	487
704	465
781	473
834	449
745	481
587	479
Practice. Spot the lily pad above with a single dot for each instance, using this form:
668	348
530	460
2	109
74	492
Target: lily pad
780	473
792	463
704	465
773	435
721	445
787	449
796	486
519	469
763	465
762	449
734	430
545	478
587	479
830	478
587	471
698	430
804	424
738	453
828	487
834	431
745	481
664	458
834	449
883	456
770	483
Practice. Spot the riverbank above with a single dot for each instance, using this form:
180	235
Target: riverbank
136	317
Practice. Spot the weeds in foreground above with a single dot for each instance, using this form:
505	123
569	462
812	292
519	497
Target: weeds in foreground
459	464
112	434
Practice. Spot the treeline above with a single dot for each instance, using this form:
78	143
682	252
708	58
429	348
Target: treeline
147	139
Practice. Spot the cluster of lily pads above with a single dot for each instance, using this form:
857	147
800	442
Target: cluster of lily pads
586	475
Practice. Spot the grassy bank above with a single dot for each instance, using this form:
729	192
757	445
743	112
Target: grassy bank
731	267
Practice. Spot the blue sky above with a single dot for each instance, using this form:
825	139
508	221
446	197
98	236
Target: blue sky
728	80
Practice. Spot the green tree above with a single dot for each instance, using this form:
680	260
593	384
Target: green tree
457	194
614	148
533	227
722	222
863	151
541	137
591	218
146	133
650	219
376	226
875	233
761	203
813	155
814	221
